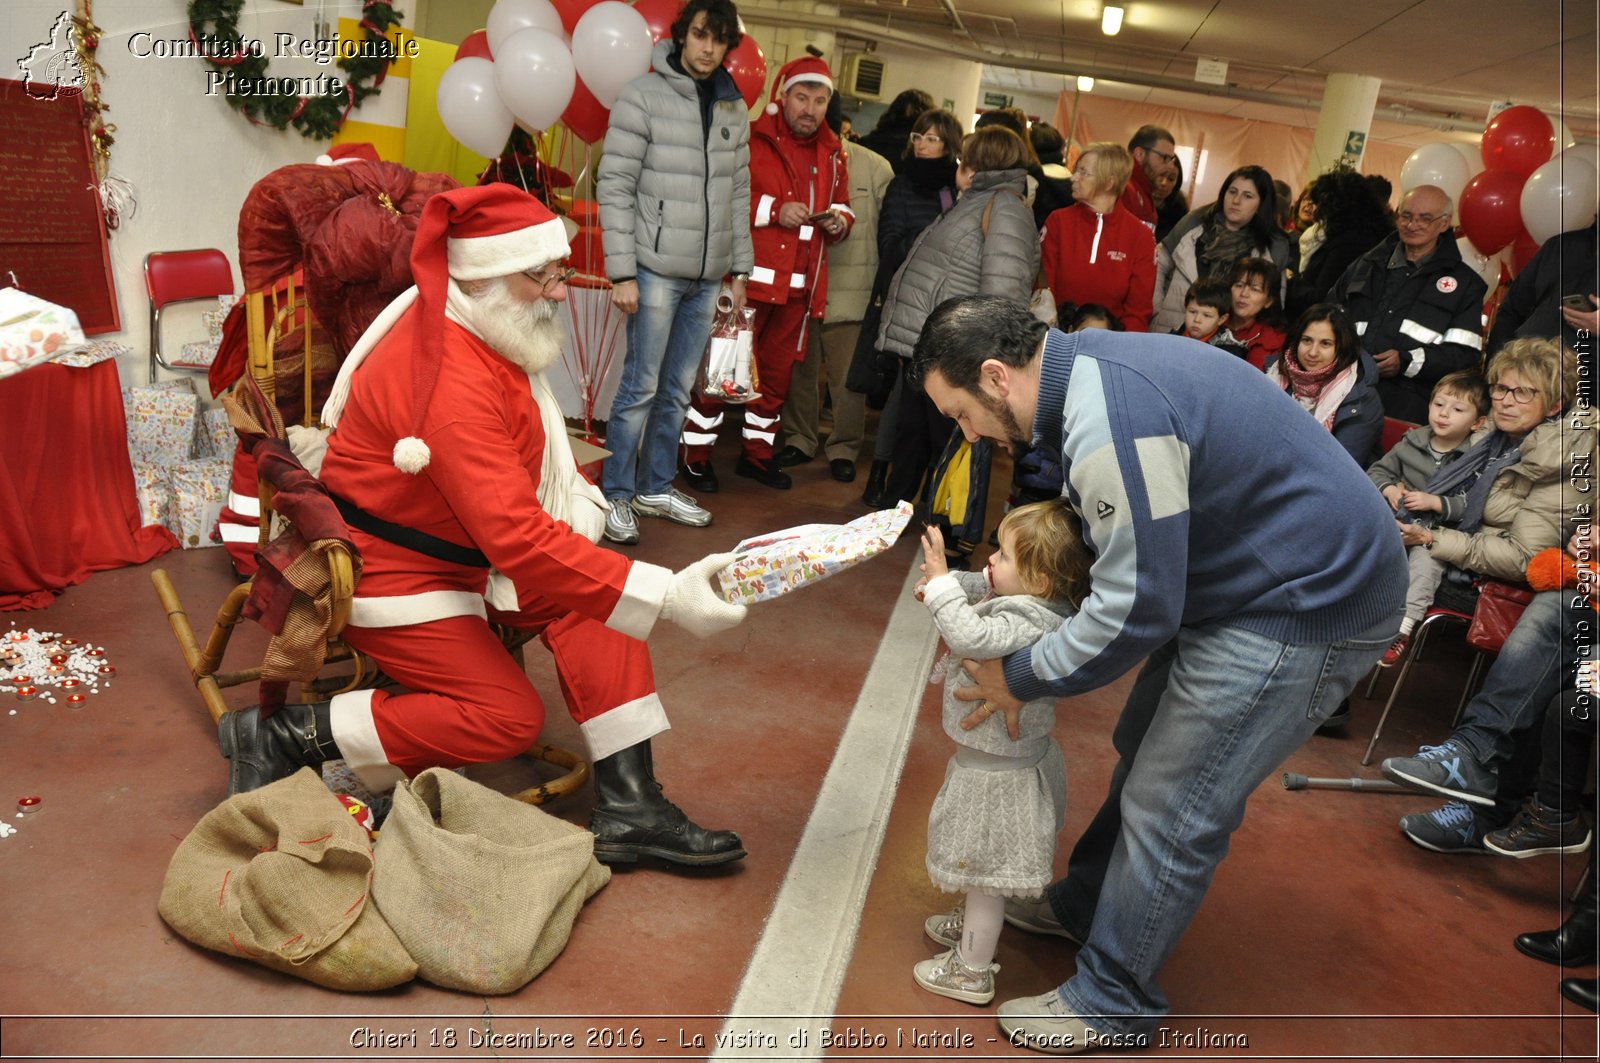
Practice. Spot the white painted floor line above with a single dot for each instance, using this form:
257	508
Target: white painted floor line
793	981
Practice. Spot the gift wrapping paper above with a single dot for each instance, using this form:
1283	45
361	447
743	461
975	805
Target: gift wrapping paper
783	561
199	491
161	422
200	352
94	352
33	331
214	437
151	485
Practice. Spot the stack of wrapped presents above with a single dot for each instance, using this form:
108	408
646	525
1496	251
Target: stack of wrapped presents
182	459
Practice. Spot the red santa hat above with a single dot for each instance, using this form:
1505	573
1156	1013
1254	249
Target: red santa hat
340	154
469	234
796	72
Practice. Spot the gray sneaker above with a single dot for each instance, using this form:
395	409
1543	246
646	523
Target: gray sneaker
621	527
948	976
674	506
1045	1024
1035	915
1449	770
1538	831
1451	828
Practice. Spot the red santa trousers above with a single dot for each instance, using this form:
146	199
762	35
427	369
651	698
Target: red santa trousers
470	702
780	342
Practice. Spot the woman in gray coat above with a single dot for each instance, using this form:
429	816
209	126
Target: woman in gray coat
985	245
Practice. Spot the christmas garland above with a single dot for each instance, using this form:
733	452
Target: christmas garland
250	90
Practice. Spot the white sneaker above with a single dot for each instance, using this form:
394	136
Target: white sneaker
1045	1024
621	527
947	976
675	506
945	928
1035	915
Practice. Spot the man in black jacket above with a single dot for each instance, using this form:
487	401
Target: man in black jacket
1565	265
1416	305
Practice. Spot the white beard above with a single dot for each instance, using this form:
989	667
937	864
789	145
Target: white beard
525	334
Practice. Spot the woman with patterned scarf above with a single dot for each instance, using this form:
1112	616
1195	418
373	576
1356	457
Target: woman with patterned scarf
1325	371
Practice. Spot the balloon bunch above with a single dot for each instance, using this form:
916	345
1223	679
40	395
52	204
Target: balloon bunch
537	62
1526	183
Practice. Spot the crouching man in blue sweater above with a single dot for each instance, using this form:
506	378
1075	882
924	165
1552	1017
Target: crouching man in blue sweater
1238	548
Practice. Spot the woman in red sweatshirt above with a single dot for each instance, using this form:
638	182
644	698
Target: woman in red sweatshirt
1095	251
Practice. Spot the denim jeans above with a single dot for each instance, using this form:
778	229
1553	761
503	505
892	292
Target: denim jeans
667	338
1549	639
1225	707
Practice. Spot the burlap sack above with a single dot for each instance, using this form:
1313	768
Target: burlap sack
281	876
481	889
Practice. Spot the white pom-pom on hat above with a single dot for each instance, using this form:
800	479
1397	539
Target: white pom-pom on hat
411	455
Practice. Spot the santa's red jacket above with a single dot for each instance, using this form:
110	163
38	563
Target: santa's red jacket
791	264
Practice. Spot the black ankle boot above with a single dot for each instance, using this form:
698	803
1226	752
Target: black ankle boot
1582	991
1573	944
872	494
263	751
633	819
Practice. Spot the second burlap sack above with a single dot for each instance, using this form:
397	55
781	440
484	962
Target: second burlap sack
481	889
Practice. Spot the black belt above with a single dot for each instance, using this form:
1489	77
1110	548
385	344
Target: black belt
410	538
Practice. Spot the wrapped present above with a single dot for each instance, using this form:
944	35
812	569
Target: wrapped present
214	436
161	422
93	352
199	491
200	352
214	318
783	561
154	491
33	331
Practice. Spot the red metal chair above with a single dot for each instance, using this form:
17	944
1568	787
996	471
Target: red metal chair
177	277
1393	429
1437	613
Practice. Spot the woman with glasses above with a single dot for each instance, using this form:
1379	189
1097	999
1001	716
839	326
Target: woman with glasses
1095	251
1205	245
923	189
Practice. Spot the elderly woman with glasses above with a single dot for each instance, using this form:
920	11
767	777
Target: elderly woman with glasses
1527	481
1095	251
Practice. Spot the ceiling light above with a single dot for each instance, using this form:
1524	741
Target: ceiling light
1085	83
1111	20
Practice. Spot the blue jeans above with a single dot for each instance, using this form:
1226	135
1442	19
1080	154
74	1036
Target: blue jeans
1550	638
1225	708
667	338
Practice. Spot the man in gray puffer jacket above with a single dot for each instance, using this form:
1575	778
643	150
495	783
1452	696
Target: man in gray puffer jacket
674	194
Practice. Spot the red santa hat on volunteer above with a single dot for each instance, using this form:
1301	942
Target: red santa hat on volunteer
341	154
469	234
797	72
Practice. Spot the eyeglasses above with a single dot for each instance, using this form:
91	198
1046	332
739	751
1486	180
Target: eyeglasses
1164	156
1521	396
931	139
561	275
1408	218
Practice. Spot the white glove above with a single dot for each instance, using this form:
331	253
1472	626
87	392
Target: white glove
695	605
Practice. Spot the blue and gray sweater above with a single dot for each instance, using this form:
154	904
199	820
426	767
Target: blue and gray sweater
1208	496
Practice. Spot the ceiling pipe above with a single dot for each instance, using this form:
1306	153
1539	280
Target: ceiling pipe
1392	112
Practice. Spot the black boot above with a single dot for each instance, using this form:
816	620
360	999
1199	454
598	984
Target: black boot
872	494
1573	944
633	819
264	751
1582	991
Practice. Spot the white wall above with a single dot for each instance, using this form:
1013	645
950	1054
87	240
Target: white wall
190	158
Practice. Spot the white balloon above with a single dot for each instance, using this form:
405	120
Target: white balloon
1473	153
1564	137
470	107
1559	197
1485	266
507	17
1439	165
611	46
533	71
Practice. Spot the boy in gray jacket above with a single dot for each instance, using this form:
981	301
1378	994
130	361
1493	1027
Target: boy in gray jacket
1457	409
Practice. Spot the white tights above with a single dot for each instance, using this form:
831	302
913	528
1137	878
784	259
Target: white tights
980	928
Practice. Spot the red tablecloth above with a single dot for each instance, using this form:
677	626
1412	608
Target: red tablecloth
67	502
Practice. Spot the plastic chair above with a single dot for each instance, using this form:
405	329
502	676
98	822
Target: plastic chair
1485	650
1393	429
179	277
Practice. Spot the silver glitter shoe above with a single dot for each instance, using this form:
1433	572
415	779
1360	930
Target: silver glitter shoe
945	928
947	976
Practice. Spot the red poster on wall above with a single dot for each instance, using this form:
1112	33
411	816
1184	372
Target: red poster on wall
52	229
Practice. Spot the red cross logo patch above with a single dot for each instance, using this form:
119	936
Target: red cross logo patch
1447	284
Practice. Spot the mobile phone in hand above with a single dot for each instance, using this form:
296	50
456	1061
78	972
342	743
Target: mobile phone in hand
819	216
1581	303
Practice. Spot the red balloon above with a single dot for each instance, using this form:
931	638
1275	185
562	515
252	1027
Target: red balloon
571	11
1519	139
659	15
748	65
1523	248
586	116
1491	209
476	44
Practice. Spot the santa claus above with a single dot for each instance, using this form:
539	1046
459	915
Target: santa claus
450	462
